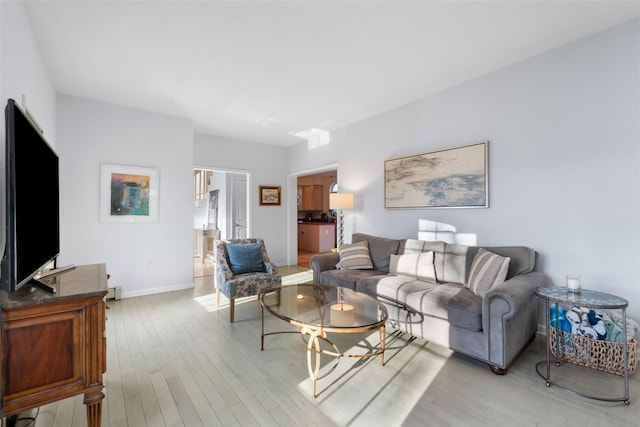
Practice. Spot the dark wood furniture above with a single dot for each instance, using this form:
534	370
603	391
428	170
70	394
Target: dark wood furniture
55	344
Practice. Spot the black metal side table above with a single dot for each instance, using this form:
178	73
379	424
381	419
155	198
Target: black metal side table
588	299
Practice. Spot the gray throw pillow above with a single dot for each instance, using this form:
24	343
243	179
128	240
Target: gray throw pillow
380	248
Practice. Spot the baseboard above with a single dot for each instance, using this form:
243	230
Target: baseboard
542	329
132	294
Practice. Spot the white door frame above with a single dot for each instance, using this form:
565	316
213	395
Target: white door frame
249	180
292	207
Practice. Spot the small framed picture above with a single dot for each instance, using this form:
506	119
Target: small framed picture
269	196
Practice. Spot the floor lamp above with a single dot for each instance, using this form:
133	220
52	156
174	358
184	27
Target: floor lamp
340	201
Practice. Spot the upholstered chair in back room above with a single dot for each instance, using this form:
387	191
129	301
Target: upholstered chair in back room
243	269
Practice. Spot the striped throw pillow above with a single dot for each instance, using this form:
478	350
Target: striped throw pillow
355	256
487	270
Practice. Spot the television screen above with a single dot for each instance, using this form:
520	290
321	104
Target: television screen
32	201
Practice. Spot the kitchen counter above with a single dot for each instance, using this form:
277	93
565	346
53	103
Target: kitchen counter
317	222
316	236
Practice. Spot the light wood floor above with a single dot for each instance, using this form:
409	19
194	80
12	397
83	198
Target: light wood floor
174	360
304	258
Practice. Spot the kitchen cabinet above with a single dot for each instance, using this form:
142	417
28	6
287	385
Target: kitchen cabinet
316	237
311	198
304	233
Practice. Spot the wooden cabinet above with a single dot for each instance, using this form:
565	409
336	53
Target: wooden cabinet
55	344
316	237
304	233
323	183
310	197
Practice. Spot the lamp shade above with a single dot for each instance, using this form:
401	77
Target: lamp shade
341	200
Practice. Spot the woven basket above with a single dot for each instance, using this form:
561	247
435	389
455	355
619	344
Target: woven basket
607	356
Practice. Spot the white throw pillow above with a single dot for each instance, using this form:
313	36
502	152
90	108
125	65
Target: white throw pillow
418	265
487	270
355	256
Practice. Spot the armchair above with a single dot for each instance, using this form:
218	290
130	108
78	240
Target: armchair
248	271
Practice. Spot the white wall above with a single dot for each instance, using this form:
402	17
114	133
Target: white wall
564	160
564	164
86	134
22	72
266	165
92	133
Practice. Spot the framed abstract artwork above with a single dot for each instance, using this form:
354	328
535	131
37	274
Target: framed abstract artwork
456	177
128	194
269	196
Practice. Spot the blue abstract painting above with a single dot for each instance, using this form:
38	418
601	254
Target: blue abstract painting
451	178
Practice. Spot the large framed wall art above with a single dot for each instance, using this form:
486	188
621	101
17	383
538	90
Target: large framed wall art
456	177
128	194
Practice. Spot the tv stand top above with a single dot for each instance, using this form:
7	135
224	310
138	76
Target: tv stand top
82	281
37	281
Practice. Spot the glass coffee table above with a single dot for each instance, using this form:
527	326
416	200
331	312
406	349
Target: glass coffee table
319	309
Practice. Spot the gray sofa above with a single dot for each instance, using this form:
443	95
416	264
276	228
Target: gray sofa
492	326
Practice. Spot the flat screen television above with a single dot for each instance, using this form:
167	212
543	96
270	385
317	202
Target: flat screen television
32	201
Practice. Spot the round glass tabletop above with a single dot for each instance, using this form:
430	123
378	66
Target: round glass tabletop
327	307
584	298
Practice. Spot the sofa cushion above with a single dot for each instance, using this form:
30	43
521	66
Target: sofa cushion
455	264
413	246
346	278
369	284
394	288
523	259
488	269
380	249
418	265
452	302
355	256
449	301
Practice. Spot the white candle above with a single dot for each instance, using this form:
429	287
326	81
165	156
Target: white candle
341	314
574	283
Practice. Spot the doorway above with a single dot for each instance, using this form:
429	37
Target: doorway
316	220
220	212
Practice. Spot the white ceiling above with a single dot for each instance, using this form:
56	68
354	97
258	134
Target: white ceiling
262	70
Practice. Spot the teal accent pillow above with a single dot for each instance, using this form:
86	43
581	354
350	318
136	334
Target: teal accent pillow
245	258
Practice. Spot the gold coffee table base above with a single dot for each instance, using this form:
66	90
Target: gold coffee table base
313	348
314	327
